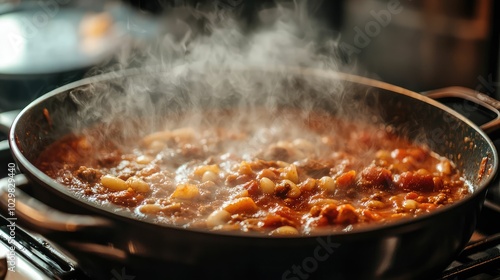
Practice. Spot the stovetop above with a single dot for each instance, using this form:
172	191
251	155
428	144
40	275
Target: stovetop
480	260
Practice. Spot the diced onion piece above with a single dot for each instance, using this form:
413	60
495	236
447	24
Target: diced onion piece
267	173
290	173
245	168
113	183
282	163
138	184
308	184
149	208
294	191
201	170
375	204
143	159
285	230
186	191
410	204
266	185
327	183
172	207
155	208
209	176
241	205
444	167
218	217
243	193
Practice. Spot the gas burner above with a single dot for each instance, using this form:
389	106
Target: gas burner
28	257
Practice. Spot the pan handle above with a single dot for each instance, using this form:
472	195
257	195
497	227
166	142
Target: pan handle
474	96
15	203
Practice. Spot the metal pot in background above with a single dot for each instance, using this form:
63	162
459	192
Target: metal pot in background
46	44
426	44
414	44
39	51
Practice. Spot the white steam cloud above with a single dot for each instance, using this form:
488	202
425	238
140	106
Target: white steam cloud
209	61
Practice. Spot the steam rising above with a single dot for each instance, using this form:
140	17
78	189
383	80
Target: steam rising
216	64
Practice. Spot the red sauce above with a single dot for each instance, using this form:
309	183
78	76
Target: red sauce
287	174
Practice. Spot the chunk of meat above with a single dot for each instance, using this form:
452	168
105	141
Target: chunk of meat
377	177
314	168
412	181
87	174
126	198
277	153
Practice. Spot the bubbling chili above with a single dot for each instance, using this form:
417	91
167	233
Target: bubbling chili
281	173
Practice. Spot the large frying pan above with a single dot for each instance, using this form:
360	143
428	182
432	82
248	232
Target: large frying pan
409	249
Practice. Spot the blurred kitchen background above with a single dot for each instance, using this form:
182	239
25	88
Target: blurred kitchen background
420	45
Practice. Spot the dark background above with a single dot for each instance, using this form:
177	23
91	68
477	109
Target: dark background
427	45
